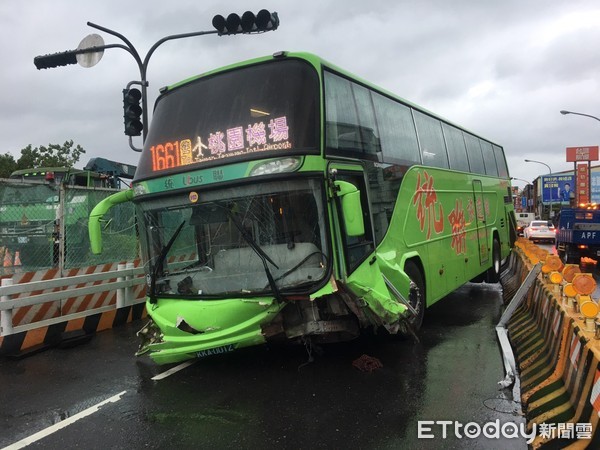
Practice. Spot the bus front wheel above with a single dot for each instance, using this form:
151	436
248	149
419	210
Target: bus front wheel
417	294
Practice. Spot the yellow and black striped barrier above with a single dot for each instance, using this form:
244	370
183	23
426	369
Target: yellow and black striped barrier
553	336
69	332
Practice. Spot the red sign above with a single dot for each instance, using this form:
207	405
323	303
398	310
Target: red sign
583	183
589	153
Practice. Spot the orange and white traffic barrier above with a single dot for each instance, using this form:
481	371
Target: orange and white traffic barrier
17	263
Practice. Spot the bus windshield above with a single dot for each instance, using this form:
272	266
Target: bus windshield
249	240
248	113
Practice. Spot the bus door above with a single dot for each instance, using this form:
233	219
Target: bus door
353	250
358	264
481	222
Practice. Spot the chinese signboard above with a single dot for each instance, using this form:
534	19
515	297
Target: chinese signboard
558	188
595	182
556	181
219	144
589	153
583	183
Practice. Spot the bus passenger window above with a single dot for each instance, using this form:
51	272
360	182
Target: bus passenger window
457	151
431	140
475	156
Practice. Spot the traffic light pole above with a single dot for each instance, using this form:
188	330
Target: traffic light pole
248	23
143	66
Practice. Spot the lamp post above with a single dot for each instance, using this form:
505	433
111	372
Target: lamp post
549	170
527	183
575	172
564	113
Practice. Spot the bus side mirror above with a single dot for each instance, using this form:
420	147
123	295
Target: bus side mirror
351	208
97	217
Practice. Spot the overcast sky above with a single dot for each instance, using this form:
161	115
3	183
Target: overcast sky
502	69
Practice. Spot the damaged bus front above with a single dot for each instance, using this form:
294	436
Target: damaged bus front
243	265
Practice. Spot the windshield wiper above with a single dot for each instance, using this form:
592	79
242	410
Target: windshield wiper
159	260
258	250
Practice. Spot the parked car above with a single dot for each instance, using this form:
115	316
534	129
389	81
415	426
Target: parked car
540	230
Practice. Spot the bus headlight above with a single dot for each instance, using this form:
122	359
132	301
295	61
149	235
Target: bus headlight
139	189
276	166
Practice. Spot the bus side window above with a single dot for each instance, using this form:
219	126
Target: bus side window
384	185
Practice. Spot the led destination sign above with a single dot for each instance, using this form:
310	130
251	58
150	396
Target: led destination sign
236	141
259	111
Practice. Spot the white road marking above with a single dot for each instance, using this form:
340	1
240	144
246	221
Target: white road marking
62	424
173	370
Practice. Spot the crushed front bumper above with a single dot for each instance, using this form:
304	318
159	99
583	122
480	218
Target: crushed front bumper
179	331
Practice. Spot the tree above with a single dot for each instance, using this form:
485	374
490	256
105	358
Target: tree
54	155
7	165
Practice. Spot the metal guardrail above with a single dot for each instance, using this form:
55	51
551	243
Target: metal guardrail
127	276
508	356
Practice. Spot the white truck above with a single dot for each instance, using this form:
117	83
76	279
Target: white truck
523	220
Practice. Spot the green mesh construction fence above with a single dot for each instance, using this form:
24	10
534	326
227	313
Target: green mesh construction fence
45	226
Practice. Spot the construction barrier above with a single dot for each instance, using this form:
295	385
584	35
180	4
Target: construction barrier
41	309
557	352
45	226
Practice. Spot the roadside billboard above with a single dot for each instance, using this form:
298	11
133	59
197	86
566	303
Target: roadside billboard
559	188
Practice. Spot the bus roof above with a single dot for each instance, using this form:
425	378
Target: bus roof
319	63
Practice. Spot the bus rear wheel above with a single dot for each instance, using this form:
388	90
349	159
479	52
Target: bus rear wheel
417	294
493	273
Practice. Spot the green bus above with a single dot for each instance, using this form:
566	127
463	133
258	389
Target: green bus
283	199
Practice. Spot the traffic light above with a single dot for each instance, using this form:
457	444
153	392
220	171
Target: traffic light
132	112
55	60
248	23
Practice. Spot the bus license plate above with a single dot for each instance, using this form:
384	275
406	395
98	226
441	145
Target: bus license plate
22	239
215	351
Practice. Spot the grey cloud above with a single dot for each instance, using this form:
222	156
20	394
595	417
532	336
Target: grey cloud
486	65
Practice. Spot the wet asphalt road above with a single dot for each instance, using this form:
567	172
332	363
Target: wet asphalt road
269	398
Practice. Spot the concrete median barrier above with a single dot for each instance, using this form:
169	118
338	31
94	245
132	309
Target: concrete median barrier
557	354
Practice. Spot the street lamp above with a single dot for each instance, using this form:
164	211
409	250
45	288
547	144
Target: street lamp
549	170
527	183
589	175
521	179
539	162
564	113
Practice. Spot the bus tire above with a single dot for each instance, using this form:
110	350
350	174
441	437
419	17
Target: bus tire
417	294
493	273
